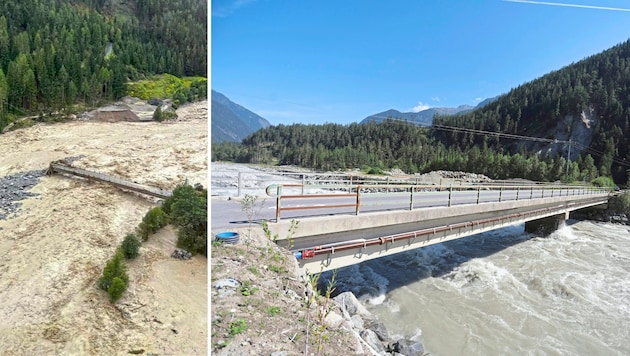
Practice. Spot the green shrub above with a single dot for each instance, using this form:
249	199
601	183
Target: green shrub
167	205
115	268
116	290
189	212
375	171
157	114
605	182
620	203
130	246
191	241
154	220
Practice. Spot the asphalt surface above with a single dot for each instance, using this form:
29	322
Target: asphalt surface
227	213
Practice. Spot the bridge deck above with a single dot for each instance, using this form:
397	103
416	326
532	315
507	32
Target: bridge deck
328	242
60	168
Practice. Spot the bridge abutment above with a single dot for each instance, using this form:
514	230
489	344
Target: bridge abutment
546	225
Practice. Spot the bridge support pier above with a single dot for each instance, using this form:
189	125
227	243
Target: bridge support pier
546	225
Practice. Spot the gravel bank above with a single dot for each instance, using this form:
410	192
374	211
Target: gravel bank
15	188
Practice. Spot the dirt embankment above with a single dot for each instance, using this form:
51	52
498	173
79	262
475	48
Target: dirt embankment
54	250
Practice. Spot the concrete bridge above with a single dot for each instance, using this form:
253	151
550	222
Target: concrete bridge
59	167
371	221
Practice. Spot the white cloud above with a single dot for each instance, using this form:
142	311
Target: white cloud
226	8
420	107
435	98
477	100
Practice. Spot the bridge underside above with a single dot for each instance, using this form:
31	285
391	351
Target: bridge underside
330	242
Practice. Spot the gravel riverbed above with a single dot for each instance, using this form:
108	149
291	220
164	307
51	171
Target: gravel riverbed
15	188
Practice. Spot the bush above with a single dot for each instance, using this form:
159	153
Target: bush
189	212
189	240
157	114
116	290
115	268
130	246
605	182
620	203
375	171
154	220
167	204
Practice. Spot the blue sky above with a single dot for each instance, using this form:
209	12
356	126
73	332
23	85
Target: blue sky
340	61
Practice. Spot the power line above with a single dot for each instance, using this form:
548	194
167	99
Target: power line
510	136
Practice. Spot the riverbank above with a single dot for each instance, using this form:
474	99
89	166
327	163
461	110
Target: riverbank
262	305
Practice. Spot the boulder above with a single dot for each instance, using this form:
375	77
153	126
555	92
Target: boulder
379	329
407	347
333	320
351	304
372	340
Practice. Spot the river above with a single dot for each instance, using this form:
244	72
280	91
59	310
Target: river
506	292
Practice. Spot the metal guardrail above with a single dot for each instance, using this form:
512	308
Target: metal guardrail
408	195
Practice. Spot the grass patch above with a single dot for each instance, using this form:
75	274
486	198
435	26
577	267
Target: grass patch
254	271
248	289
161	86
273	310
236	327
277	269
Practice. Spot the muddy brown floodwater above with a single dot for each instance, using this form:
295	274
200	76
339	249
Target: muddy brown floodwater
54	250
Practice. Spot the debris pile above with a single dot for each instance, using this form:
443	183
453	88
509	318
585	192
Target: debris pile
181	254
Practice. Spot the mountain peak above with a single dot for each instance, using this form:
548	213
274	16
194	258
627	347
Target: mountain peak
231	121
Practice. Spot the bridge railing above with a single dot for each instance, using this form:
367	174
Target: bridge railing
355	198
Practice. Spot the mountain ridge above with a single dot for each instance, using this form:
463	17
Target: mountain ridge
231	121
425	117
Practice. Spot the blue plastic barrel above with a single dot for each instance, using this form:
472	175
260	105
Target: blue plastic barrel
228	237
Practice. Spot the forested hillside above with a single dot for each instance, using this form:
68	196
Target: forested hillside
592	95
600	83
390	144
54	53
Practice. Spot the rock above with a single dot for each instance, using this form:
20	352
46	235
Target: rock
407	347
279	353
379	329
351	304
154	102
181	254
333	320
372	340
356	322
226	283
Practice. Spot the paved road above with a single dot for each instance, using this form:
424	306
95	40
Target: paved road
226	214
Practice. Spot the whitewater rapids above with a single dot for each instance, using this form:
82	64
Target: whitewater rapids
506	292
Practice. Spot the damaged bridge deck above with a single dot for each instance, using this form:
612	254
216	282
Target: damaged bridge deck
61	168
